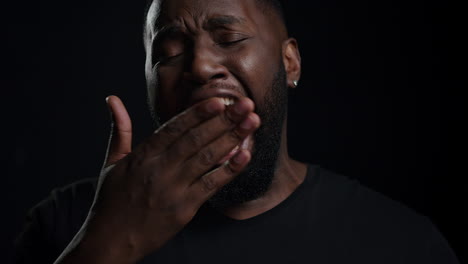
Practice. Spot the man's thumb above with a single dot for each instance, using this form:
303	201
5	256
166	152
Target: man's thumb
120	142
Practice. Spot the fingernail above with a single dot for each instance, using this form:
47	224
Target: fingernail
247	124
239	158
111	114
107	99
214	106
238	108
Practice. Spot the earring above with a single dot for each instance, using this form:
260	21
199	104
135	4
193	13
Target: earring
295	83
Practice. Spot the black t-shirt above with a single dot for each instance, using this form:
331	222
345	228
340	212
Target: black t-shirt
328	219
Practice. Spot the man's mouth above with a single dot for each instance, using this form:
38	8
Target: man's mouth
227	101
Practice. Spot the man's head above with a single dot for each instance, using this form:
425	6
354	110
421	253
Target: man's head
225	48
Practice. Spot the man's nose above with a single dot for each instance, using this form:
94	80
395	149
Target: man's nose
204	66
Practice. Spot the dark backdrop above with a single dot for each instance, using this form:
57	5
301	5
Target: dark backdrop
378	99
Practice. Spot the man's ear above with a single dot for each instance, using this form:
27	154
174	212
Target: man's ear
292	62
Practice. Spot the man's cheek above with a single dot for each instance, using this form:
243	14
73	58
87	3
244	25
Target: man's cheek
170	88
167	104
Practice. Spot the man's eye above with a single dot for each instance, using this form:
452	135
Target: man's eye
167	59
232	39
162	56
167	50
231	43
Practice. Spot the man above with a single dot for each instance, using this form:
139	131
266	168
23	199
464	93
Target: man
215	183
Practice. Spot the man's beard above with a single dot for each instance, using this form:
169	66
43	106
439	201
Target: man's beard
257	177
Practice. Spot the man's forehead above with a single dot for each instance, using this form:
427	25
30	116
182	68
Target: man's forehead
208	12
211	23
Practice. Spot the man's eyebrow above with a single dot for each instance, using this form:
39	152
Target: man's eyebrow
210	24
222	21
167	30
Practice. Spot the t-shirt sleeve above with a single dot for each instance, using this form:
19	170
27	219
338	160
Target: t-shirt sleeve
394	232
34	244
53	223
438	249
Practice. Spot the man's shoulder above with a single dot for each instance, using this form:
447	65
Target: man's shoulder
366	206
71	196
362	201
52	223
371	219
62	213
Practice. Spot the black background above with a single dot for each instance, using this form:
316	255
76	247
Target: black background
379	98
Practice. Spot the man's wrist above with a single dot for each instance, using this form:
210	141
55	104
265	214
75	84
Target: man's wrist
99	247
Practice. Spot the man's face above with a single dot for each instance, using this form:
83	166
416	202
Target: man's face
224	48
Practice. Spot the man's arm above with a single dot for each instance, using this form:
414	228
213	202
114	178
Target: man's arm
32	245
52	223
149	194
437	248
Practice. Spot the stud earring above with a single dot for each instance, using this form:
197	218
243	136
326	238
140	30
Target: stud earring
295	83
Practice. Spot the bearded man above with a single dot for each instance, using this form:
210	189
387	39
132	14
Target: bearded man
215	183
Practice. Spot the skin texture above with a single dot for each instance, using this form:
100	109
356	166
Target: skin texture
148	194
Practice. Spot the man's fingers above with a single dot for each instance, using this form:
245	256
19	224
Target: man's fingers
120	142
211	154
210	183
196	138
178	125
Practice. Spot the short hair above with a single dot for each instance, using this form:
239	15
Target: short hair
272	5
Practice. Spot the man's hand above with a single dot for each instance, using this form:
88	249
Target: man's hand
153	192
